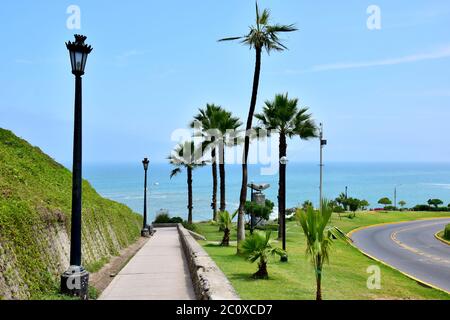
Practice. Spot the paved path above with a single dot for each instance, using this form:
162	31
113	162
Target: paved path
157	272
410	247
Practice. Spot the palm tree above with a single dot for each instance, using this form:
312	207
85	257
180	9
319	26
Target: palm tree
207	118
188	156
258	247
283	116
227	123
216	124
225	224
318	238
262	36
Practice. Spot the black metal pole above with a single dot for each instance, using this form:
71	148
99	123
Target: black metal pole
283	202
75	243
145	200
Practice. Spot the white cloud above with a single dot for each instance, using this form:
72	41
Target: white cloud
438	54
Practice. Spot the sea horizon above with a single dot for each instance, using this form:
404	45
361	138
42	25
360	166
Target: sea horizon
416	182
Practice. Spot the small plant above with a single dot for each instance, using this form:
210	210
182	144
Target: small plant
225	224
319	238
258	247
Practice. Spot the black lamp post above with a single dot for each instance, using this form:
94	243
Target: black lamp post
145	230
282	203
75	280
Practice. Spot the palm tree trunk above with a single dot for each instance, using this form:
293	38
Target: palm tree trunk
189	182
262	271
282	191
223	204
214	176
319	279
226	238
243	197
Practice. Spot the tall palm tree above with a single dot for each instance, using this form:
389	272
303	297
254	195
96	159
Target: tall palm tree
208	120
319	238
227	123
216	124
188	156
283	116
262	36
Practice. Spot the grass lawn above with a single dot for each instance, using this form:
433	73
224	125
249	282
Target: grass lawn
344	278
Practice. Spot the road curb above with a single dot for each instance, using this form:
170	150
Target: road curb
441	239
388	265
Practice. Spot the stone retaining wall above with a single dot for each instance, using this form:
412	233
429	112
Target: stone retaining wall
210	283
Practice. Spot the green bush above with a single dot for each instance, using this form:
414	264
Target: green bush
447	232
189	226
165	218
162	218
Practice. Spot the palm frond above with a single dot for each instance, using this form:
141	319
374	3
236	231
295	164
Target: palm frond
175	172
230	39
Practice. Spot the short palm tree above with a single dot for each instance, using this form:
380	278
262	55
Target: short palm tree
319	238
188	156
208	120
258	247
283	116
225	224
262	36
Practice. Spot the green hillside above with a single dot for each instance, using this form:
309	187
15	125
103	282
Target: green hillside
35	206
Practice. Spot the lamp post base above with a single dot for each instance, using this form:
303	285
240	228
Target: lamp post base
284	258
75	282
145	233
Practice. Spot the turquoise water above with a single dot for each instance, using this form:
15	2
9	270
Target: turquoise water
416	183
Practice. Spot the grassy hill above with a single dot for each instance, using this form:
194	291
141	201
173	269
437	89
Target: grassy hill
35	208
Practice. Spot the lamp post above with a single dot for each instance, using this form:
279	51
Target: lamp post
323	143
282	203
395	195
145	230
75	280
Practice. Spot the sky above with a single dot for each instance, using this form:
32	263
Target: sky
383	94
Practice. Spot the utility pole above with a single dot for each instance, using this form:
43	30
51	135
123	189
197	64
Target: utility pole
322	144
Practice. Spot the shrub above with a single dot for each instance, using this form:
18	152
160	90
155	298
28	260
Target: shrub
162	218
190	226
338	209
165	218
176	220
447	232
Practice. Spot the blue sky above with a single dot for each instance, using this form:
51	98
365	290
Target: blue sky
384	95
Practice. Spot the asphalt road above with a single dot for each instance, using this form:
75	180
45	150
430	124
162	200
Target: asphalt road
410	247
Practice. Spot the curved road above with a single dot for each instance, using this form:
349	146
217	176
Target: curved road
410	247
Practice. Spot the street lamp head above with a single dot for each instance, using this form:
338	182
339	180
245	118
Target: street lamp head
284	160
146	162
79	52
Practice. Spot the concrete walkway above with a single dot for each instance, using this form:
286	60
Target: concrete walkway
158	271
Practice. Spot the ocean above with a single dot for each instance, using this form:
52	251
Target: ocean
415	183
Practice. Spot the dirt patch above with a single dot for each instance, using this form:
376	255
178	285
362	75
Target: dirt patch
101	279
